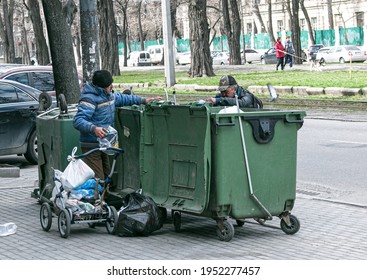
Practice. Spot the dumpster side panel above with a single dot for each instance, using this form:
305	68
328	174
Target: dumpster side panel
56	138
176	155
272	168
128	125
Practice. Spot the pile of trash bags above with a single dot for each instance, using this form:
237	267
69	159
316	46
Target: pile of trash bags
138	216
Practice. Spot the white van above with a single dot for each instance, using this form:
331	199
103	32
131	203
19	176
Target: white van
139	59
156	53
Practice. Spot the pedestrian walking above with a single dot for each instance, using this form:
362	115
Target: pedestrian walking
279	52
289	52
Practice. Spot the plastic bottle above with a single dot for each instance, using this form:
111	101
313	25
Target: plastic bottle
7	229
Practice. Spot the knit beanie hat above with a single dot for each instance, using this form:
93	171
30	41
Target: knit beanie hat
102	78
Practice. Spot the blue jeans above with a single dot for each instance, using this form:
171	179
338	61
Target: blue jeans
289	58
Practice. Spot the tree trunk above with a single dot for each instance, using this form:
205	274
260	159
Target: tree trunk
232	30
256	12
42	53
141	36
61	46
6	31
108	37
201	61
270	18
296	33
25	49
309	25
330	13
89	37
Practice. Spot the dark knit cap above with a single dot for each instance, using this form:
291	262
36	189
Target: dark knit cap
102	78
225	82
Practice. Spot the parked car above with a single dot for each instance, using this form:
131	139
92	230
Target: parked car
39	77
269	57
251	55
156	54
137	58
312	50
321	53
183	58
19	105
343	54
221	58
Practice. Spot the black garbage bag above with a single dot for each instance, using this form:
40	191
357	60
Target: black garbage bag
140	216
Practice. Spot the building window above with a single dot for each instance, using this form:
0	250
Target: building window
302	24
338	21
280	25
314	23
360	18
249	28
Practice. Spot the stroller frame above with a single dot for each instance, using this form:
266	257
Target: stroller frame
103	213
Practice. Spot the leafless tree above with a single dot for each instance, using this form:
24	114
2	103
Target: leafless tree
330	13
6	30
293	10
201	61
232	27
59	15
270	19
122	6
42	50
108	37
257	14
309	25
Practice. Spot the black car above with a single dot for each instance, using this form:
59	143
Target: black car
269	57
19	105
313	50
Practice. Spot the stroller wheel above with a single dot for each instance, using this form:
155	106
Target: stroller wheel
112	219
64	223
46	216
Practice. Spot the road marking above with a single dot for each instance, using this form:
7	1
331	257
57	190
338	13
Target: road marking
349	142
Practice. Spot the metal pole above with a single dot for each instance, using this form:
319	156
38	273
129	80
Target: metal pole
169	66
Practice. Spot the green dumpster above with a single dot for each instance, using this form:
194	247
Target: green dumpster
56	138
195	159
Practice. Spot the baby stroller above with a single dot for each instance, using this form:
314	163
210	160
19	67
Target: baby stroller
92	210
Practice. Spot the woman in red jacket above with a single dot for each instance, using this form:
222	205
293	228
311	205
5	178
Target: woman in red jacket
279	49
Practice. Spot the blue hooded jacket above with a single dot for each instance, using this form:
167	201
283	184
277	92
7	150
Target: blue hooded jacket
96	108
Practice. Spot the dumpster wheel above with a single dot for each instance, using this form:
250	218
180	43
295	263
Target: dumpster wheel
225	230
176	220
290	224
46	216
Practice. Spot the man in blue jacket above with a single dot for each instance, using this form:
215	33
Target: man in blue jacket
96	111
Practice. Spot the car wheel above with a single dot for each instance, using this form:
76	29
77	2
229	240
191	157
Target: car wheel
262	61
341	60
32	150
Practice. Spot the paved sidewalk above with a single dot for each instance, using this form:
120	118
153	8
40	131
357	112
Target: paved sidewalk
329	231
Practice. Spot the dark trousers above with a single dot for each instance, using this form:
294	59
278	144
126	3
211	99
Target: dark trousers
280	62
289	59
99	162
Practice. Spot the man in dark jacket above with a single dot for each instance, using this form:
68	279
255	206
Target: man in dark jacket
96	111
228	89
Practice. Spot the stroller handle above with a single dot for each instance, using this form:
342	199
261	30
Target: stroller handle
115	151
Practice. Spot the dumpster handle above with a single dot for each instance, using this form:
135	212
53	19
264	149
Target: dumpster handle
247	164
292	120
224	124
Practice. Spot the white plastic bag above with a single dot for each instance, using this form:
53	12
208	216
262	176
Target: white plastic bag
76	173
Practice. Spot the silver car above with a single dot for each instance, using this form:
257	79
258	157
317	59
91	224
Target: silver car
342	54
